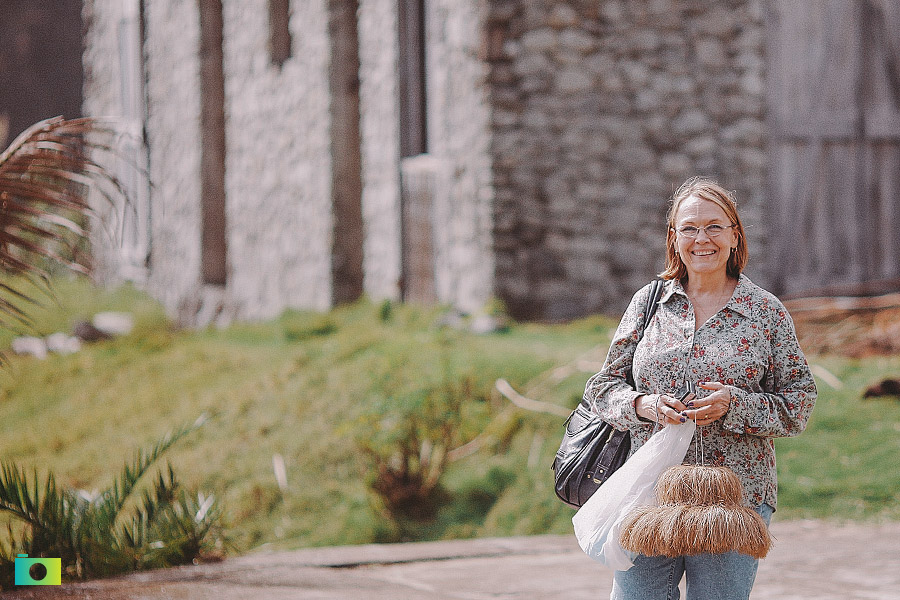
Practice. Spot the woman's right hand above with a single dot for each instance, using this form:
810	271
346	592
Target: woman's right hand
662	409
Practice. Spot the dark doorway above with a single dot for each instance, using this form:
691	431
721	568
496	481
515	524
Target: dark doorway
40	63
212	161
346	183
418	173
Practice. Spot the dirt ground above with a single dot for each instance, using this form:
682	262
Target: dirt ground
810	560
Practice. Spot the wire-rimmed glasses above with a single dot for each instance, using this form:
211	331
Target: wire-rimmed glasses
712	230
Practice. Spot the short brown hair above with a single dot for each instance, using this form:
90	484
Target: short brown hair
706	189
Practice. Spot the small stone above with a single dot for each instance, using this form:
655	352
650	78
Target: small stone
710	52
114	323
540	40
30	346
690	122
563	15
675	164
60	343
577	40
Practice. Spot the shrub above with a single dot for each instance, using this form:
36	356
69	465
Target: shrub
113	532
406	433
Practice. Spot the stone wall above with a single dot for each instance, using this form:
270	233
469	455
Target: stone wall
278	191
278	162
601	109
459	135
380	147
458	116
557	129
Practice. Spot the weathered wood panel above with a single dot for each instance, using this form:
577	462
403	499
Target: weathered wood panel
834	108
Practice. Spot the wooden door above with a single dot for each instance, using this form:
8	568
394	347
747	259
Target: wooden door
834	110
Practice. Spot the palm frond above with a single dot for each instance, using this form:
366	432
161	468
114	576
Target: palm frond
111	502
112	532
46	177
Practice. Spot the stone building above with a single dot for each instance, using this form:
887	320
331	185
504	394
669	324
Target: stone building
302	153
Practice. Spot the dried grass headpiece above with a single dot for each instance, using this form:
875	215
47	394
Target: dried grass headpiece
699	512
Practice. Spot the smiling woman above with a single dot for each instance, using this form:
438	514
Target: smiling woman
717	330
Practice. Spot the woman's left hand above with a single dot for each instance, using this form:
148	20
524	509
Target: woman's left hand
711	408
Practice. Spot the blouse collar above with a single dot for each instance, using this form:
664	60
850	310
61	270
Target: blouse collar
740	301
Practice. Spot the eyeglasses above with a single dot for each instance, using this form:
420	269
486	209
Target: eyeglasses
714	230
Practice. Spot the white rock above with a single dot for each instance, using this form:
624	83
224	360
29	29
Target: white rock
33	346
114	323
61	343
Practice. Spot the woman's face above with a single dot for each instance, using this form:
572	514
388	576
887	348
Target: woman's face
703	254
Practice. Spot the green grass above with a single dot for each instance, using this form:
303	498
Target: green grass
299	386
844	466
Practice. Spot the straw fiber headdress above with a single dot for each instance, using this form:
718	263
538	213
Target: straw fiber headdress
700	511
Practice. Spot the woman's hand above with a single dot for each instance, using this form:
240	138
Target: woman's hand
659	408
711	408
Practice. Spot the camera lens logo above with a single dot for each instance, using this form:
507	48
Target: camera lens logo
38	571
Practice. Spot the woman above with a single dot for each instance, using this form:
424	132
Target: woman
736	342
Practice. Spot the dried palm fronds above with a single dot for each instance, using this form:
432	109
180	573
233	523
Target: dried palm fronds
699	512
46	174
697	484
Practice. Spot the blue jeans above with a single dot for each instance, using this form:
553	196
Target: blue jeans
726	576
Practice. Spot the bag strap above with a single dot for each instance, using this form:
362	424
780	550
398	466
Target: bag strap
656	291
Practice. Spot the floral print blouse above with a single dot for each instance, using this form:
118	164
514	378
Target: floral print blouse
750	346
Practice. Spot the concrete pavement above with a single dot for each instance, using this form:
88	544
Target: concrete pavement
810	560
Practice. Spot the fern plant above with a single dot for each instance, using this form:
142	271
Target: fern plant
128	526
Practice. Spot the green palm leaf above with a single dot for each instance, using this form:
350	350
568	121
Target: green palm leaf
113	532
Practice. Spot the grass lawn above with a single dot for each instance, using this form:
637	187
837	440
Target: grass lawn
302	387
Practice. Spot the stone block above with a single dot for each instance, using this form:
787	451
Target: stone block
533	63
745	131
646	100
752	83
563	15
636	73
577	39
539	40
600	63
612	11
676	164
634	157
710	52
536	83
569	81
535	118
690	122
612	82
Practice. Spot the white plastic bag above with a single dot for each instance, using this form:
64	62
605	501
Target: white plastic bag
599	521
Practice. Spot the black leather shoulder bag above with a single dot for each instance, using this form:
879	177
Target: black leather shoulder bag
592	449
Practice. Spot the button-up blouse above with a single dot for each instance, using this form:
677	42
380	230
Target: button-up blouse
750	345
